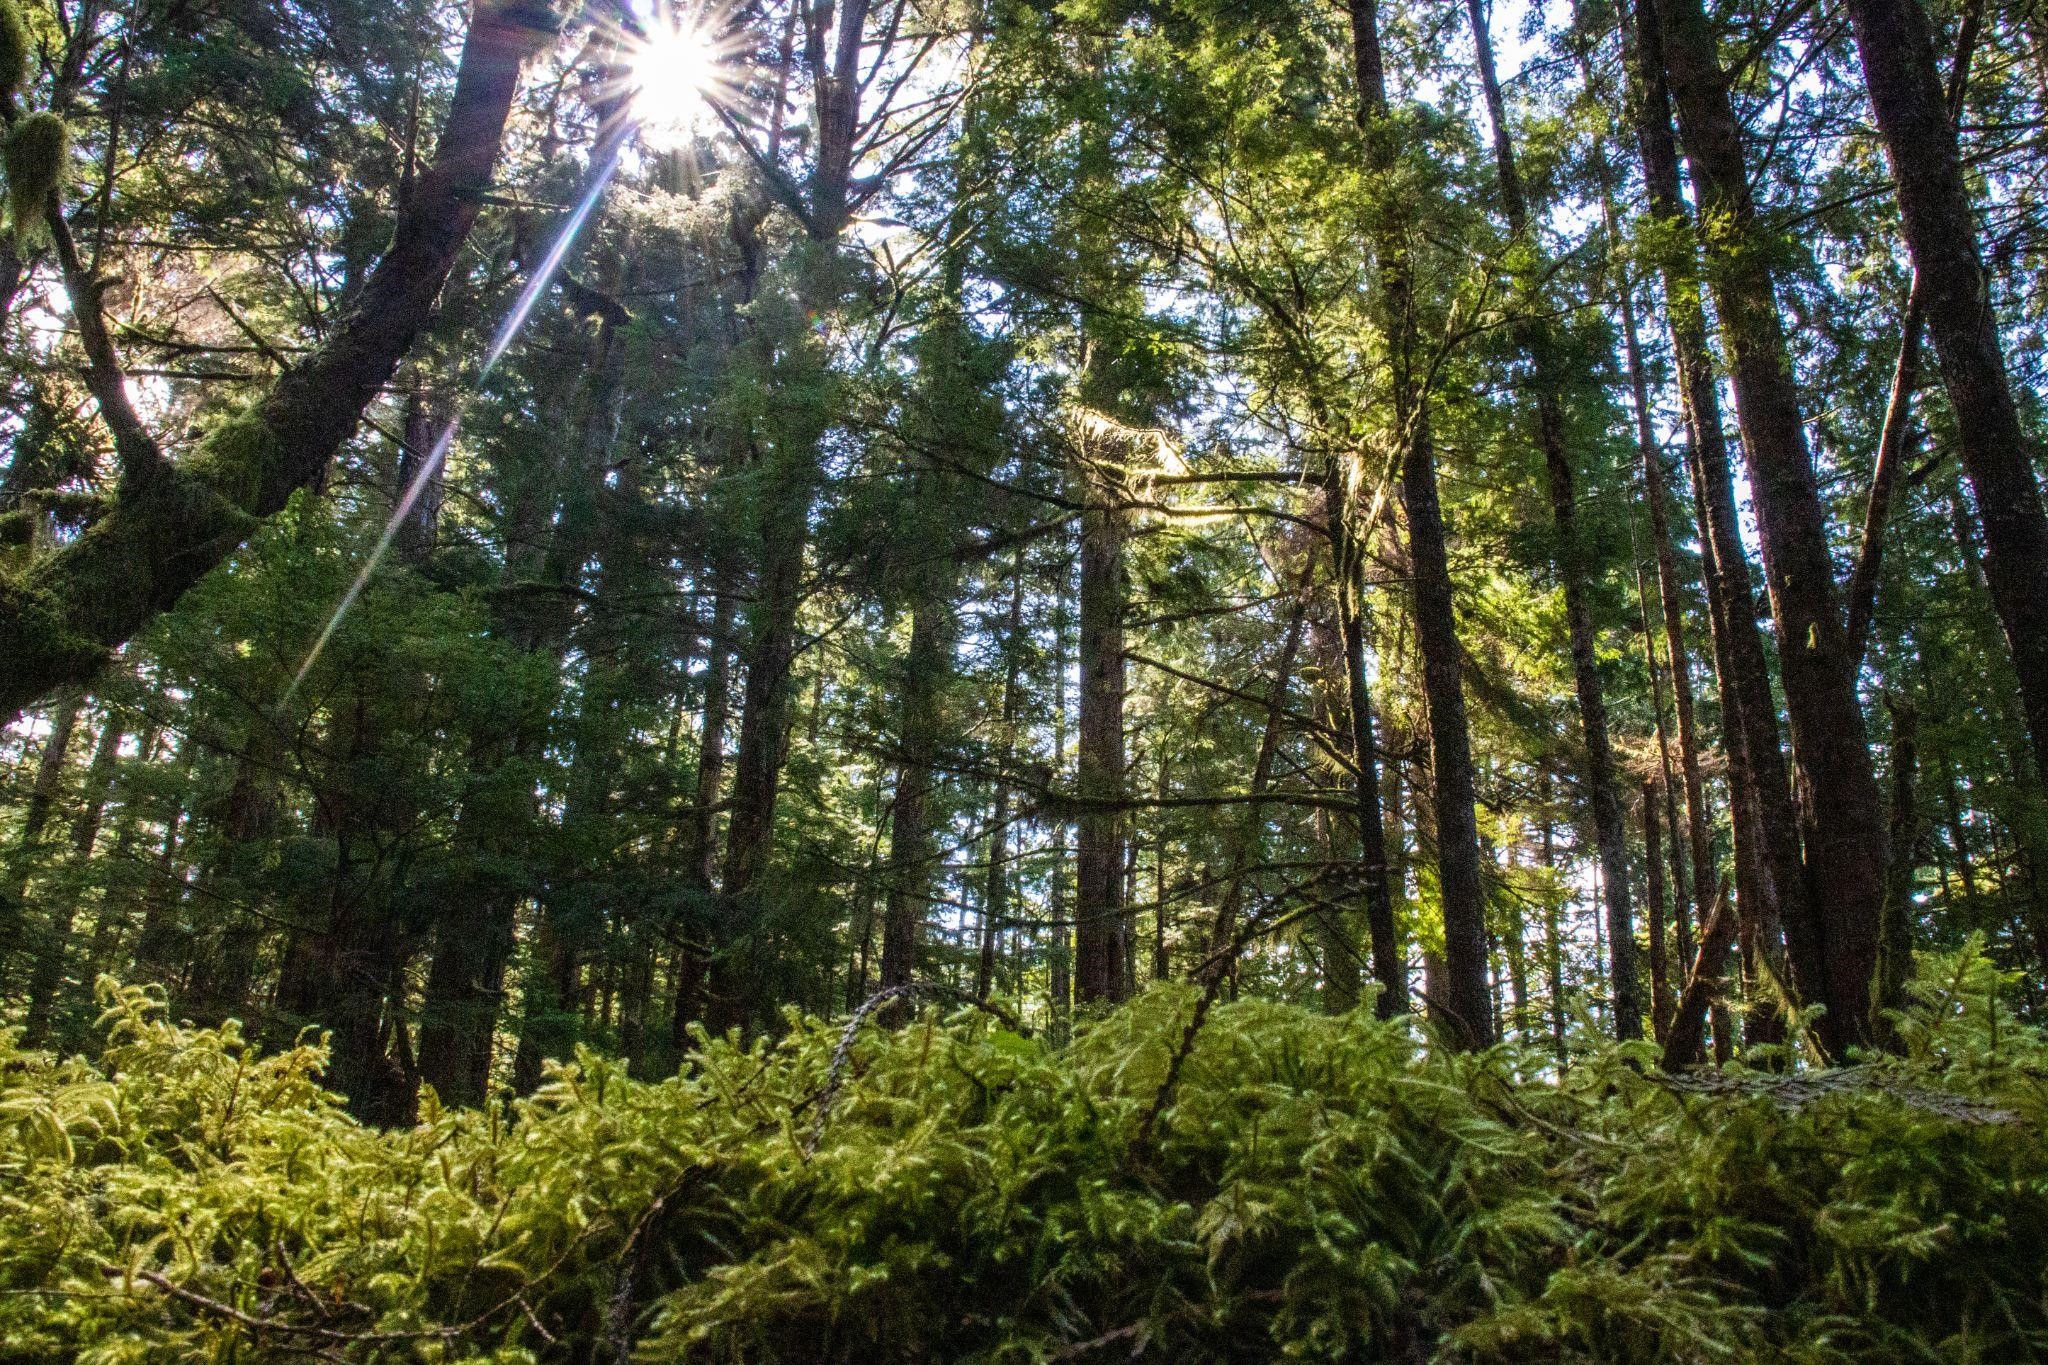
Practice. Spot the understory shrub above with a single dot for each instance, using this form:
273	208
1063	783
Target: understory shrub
1313	1188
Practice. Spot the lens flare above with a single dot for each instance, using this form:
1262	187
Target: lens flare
678	71
679	68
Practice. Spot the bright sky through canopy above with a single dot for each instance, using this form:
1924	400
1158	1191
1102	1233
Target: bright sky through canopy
673	68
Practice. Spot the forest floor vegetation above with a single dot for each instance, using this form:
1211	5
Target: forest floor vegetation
1313	1188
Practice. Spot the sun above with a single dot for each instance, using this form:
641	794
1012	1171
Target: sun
674	73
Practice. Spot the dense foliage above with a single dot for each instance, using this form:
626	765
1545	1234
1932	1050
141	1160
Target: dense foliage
1406	621
1316	1188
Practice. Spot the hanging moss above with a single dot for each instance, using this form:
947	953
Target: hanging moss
14	49
38	152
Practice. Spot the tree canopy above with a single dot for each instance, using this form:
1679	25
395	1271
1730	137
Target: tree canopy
552	542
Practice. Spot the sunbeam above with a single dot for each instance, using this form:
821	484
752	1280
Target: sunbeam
508	331
679	68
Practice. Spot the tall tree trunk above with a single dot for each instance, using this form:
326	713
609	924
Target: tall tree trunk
995	900
346	974
553	524
1465	1006
1660	975
119	890
1895	956
1059	957
925	666
1553	933
35	819
699	842
1099	767
1389	963
1834	941
247	820
156	940
1679	880
1249	840
765	694
1671	597
53	954
1610	827
1768	852
1897	46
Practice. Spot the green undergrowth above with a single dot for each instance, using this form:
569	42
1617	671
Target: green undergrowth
1318	1189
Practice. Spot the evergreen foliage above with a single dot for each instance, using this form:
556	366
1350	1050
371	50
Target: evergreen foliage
1319	1188
549	548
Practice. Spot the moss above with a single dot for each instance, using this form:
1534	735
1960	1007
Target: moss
1320	1188
14	50
38	151
41	648
236	458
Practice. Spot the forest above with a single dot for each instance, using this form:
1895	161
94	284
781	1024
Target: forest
1023	680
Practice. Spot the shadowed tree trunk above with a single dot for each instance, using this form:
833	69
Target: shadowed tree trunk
53	954
1465	1004
1059	968
1671	598
1610	827
247	821
1347	558
995	904
1833	942
553	523
1896	42
1099	757
1686	1044
35	818
1660	976
699	846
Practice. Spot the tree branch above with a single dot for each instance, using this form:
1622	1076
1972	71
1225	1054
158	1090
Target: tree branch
169	524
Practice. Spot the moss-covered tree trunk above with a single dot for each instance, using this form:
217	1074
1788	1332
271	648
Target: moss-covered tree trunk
170	521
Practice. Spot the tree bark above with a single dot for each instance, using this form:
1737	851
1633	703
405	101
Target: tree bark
1610	828
995	901
168	524
1834	941
1465	1005
1099	770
